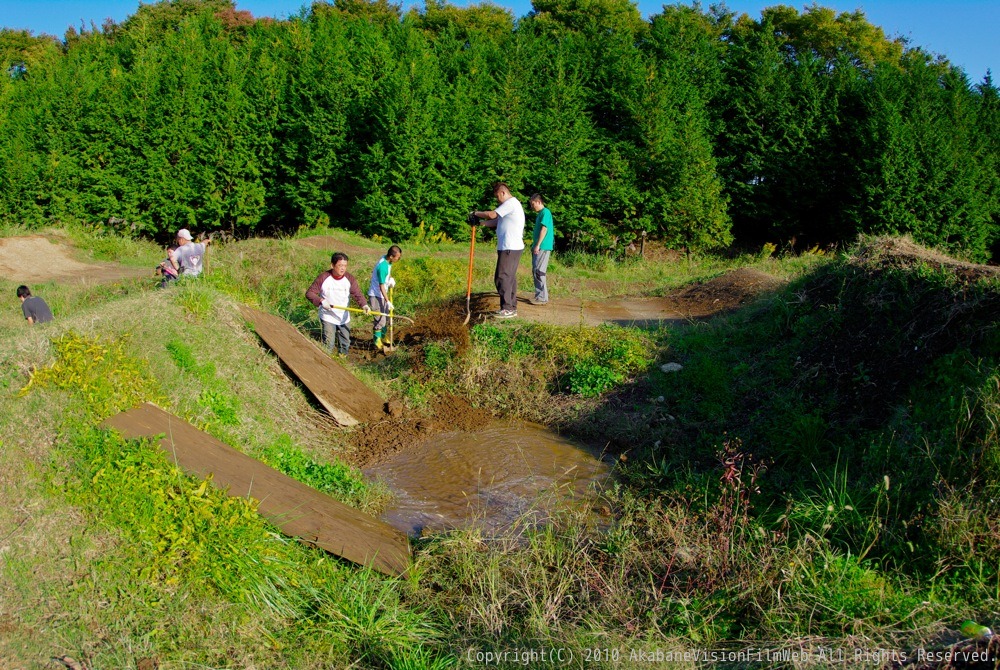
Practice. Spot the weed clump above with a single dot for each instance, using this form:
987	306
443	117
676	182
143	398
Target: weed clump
584	362
101	373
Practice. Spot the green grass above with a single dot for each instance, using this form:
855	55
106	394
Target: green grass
823	467
177	548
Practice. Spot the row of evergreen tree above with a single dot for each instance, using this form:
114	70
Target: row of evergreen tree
693	127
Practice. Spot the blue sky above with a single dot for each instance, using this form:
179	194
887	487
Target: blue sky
962	30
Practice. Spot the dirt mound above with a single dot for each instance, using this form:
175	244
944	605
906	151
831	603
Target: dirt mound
723	293
444	321
877	321
400	429
904	253
37	259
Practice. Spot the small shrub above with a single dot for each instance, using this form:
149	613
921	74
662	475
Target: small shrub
224	406
424	279
591	379
194	299
503	343
598	359
182	355
336	479
832	594
438	355
834	509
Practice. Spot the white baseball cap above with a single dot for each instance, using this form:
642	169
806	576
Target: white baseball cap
184	233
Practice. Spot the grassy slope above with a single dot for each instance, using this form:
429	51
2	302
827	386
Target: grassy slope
757	505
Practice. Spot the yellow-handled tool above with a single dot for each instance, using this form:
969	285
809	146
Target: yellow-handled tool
373	313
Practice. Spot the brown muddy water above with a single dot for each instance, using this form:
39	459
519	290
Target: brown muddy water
489	478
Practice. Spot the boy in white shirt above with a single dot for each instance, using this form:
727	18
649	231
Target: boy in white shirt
331	290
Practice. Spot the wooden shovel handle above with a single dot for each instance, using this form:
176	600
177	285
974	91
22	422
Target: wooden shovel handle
472	253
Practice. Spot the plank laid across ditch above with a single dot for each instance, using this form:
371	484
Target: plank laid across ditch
347	400
298	510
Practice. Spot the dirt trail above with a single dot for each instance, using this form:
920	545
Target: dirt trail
720	294
699	300
574	311
39	259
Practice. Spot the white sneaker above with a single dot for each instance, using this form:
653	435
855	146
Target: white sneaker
506	314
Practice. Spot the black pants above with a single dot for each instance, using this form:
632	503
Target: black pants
505	278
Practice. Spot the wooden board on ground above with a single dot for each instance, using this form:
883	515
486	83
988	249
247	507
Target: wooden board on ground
347	400
298	510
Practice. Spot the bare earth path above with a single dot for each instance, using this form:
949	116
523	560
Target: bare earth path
640	312
696	301
36	258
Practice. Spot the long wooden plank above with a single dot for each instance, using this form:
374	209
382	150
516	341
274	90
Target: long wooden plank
298	510
347	400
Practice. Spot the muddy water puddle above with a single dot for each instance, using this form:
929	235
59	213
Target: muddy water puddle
488	478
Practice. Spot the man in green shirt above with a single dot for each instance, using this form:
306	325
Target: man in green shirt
542	243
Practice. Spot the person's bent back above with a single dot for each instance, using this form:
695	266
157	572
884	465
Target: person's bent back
34	308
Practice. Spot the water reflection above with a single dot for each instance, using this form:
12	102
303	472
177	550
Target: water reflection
489	478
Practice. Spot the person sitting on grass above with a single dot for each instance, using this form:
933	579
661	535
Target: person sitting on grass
166	269
189	254
378	292
34	308
331	292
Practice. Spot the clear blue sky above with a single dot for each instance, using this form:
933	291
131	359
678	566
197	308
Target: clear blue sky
963	30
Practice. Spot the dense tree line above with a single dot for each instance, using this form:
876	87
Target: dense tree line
693	127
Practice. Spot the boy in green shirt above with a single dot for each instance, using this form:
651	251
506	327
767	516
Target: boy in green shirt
542	244
378	291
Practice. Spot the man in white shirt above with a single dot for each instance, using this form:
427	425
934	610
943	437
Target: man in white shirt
508	219
188	256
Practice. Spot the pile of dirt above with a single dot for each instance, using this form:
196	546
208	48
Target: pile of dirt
904	253
400	429
722	293
872	325
444	321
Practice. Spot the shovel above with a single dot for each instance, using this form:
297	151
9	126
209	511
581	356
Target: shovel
371	313
468	287
390	346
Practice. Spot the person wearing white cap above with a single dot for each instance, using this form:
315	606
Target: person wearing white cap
189	254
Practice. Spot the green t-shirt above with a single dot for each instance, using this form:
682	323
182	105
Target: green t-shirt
544	218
